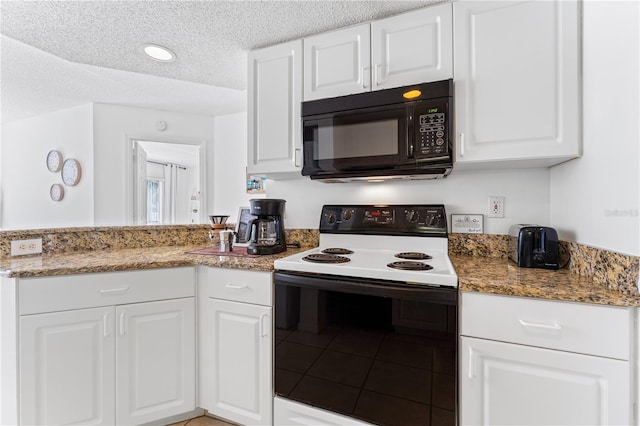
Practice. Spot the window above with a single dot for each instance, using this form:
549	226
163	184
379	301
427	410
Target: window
154	202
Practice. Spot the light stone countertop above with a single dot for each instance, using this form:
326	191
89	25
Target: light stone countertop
475	273
129	259
501	276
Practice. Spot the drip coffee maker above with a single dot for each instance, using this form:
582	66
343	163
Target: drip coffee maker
265	233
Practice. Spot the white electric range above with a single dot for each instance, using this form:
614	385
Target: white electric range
369	306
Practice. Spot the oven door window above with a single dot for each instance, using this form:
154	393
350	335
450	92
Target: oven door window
384	360
357	141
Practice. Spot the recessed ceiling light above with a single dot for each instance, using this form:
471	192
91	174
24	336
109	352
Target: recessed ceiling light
159	53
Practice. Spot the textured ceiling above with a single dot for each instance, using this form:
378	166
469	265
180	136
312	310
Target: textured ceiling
210	38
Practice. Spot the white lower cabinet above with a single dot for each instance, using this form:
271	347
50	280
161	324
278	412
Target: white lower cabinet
507	384
155	358
67	368
129	360
236	337
534	362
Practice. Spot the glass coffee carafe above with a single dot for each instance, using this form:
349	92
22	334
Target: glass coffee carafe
266	233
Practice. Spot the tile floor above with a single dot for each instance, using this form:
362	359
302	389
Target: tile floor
203	421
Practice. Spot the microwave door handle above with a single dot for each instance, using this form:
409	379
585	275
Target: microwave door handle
411	148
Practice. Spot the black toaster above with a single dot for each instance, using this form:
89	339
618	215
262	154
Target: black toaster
533	246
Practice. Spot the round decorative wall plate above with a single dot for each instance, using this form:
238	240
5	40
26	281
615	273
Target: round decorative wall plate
56	192
71	172
54	161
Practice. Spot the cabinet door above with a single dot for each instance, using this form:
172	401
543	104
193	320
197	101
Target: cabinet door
412	48
517	81
337	63
507	384
275	93
155	359
67	368
240	362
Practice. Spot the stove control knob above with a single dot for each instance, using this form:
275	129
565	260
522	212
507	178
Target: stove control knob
412	216
347	215
433	220
331	218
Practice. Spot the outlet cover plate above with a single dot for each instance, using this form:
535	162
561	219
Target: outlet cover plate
23	247
496	206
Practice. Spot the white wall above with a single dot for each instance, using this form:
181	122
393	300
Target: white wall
526	195
229	165
594	199
114	127
26	180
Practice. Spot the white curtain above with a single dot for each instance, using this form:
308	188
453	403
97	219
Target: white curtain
176	195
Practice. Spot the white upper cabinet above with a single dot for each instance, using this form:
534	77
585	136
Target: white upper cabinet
274	96
517	82
337	63
412	48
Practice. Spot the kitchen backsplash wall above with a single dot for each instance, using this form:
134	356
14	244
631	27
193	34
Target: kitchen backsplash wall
526	195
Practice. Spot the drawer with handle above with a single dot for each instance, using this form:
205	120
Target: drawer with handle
66	292
574	327
239	285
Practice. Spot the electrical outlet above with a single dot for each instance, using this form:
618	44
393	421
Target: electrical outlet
22	247
496	206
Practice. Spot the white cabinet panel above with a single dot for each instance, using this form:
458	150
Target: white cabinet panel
238	285
240	361
65	292
337	63
67	368
413	47
507	384
156	360
574	327
275	93
517	81
287	412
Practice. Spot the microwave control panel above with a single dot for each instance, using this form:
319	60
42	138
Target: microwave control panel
431	132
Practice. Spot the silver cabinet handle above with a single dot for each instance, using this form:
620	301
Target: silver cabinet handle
471	373
461	144
552	326
237	287
365	71
298	159
376	74
262	333
122	324
114	290
106	329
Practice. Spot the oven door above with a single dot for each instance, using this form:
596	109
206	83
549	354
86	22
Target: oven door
377	351
362	140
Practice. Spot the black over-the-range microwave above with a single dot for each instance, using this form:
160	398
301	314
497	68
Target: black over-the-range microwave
399	133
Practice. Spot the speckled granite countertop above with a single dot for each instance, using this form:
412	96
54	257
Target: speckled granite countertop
128	259
475	273
502	277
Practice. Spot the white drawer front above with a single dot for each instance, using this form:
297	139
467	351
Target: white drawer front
65	292
588	329
239	285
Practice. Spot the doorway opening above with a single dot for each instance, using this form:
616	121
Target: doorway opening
167	180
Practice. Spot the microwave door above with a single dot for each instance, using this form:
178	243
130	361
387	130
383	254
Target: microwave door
361	140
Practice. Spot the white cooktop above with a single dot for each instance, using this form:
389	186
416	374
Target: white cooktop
370	257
